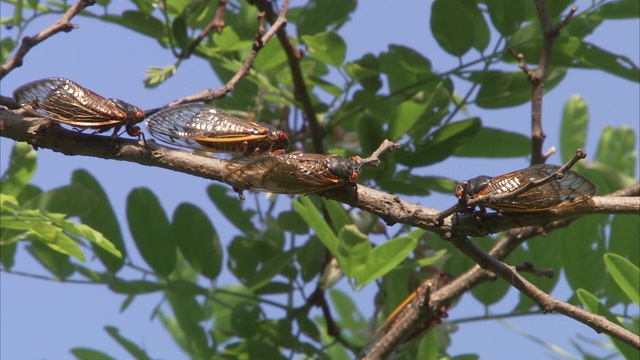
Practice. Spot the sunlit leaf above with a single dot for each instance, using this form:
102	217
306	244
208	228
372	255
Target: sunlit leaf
328	47
573	132
625	274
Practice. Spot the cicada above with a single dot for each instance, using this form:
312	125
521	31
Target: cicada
65	101
571	189
292	173
200	126
418	298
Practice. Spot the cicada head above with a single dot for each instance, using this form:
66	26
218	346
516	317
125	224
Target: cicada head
133	113
474	186
278	141
346	169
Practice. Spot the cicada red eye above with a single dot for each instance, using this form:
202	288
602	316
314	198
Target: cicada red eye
203	127
65	101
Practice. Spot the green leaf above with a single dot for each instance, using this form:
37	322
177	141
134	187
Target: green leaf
231	208
292	222
385	257
244	318
582	249
428	348
625	274
17	13
573	132
571	51
270	268
272	57
143	23
442	143
625	230
367	71
350	317
405	116
338	215
507	15
502	89
86	232
135	287
128	345
481	30
318	15
151	230
156	75
179	30
620	9
491	292
7	45
57	263
408	73
312	217
229	41
452	27
197	240
496	143
189	313
617	149
592	304
328	47
89	354
353	251
370	134
22	167
71	200
310	258
102	218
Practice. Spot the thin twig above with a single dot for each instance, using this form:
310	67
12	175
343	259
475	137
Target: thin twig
208	94
63	24
538	77
217	23
529	268
294	56
374	158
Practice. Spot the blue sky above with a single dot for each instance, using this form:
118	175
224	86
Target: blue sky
43	319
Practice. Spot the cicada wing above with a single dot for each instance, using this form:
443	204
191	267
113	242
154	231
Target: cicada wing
65	101
570	189
283	173
201	126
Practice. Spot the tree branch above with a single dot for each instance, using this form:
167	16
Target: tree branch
294	55
261	39
63	24
216	23
43	133
538	76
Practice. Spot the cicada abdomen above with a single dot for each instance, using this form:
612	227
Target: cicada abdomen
292	173
418	298
571	189
65	101
203	127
